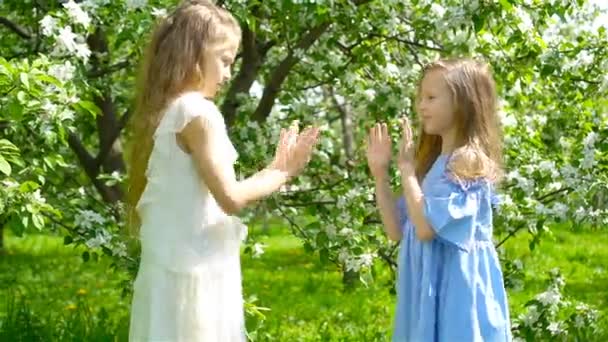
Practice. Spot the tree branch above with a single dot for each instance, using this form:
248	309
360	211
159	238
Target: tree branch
578	79
15	28
110	69
278	76
253	55
510	235
346	116
408	42
389	257
90	167
324	187
293	223
556	192
115	134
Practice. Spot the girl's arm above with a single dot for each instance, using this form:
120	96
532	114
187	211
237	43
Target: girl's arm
414	200
388	211
231	195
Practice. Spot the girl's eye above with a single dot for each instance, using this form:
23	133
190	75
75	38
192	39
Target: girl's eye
431	97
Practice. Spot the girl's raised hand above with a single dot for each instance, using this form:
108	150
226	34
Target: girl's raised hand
406	149
379	150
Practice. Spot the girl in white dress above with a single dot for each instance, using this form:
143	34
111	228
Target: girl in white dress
182	186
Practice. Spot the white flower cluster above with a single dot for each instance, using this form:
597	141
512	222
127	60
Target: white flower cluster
67	40
88	219
355	262
542	318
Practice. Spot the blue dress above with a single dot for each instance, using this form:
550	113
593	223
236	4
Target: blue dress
451	287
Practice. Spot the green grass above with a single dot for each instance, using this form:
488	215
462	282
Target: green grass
54	285
582	258
306	299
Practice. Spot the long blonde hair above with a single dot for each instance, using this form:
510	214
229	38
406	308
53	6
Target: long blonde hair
172	64
478	153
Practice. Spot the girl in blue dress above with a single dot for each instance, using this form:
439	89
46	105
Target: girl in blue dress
450	284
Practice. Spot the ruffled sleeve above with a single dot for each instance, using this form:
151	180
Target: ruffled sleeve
185	109
452	209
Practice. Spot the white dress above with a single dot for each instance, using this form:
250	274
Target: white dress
188	287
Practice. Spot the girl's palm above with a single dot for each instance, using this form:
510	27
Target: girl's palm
294	149
378	149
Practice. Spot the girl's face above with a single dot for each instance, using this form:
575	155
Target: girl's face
217	65
435	104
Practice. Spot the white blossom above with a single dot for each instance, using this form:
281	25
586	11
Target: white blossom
531	316
82	51
560	209
554	328
48	25
507	120
590	140
352	265
258	249
366	259
77	14
37	197
63	72
136	4
67	39
343	254
101	238
120	249
346	232
549	298
588	161
585	58
525	23
159	12
87	218
438	9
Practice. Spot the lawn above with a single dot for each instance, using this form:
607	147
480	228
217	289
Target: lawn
50	294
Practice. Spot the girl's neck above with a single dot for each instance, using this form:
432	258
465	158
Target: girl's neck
448	142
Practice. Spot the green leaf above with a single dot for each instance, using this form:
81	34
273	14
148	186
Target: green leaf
38	221
50	79
316	225
7	66
322	239
478	21
506	5
16	225
89	107
6	145
324	255
28	186
5	167
15	110
22	97
547	70
25	220
85	256
25	80
67	240
308	247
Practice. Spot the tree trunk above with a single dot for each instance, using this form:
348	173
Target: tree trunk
109	157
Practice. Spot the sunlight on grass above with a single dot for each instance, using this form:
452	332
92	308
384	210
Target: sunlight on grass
306	298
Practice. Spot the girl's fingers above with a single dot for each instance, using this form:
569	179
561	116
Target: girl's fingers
407	132
384	131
